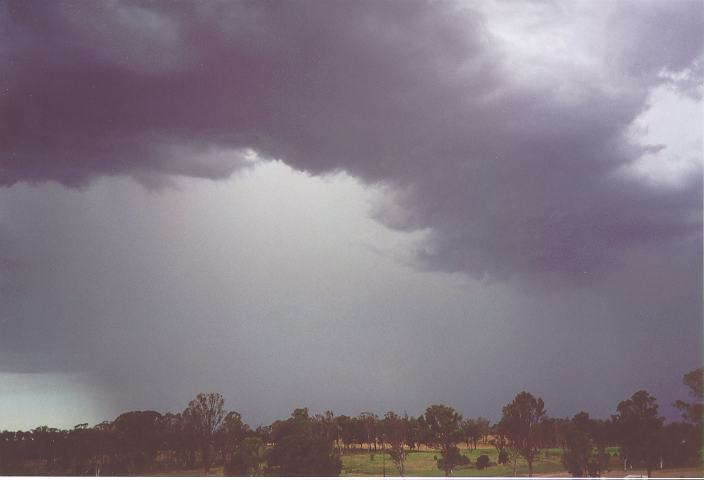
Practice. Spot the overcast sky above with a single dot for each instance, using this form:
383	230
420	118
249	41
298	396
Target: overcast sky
347	205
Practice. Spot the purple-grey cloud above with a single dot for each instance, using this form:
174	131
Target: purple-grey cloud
507	176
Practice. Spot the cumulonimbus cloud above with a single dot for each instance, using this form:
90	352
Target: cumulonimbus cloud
511	172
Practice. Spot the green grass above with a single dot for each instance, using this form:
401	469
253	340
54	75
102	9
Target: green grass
424	464
195	472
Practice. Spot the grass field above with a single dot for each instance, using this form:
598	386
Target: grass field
424	464
195	472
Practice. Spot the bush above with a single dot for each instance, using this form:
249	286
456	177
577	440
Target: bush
452	459
482	462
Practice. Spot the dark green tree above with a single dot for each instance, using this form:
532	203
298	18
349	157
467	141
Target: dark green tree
444	430
521	422
483	427
639	429
205	415
693	412
681	443
247	459
228	437
396	431
578	451
327	426
345	429
137	438
301	449
471	432
368	422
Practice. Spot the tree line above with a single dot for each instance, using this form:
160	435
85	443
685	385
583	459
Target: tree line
204	434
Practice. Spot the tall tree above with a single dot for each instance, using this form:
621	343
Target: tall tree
521	422
638	429
345	429
444	429
413	433
327	426
176	443
205	414
368	420
471	433
396	431
230	434
483	426
577	453
579	457
137	438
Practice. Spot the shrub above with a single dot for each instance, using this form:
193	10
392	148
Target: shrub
482	462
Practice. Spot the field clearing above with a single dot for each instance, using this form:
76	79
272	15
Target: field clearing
194	472
423	464
549	464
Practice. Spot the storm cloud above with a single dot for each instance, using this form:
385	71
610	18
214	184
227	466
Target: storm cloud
510	169
501	141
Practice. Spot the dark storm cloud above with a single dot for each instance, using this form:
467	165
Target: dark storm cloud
508	176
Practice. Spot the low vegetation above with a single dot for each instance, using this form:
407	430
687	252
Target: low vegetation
205	439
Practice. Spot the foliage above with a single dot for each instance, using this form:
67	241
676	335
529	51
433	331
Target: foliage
247	459
638	428
137	438
230	434
368	422
346	430
521	422
300	449
583	446
482	462
451	459
693	412
577	454
145	442
395	431
444	431
204	416
471	431
681	444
